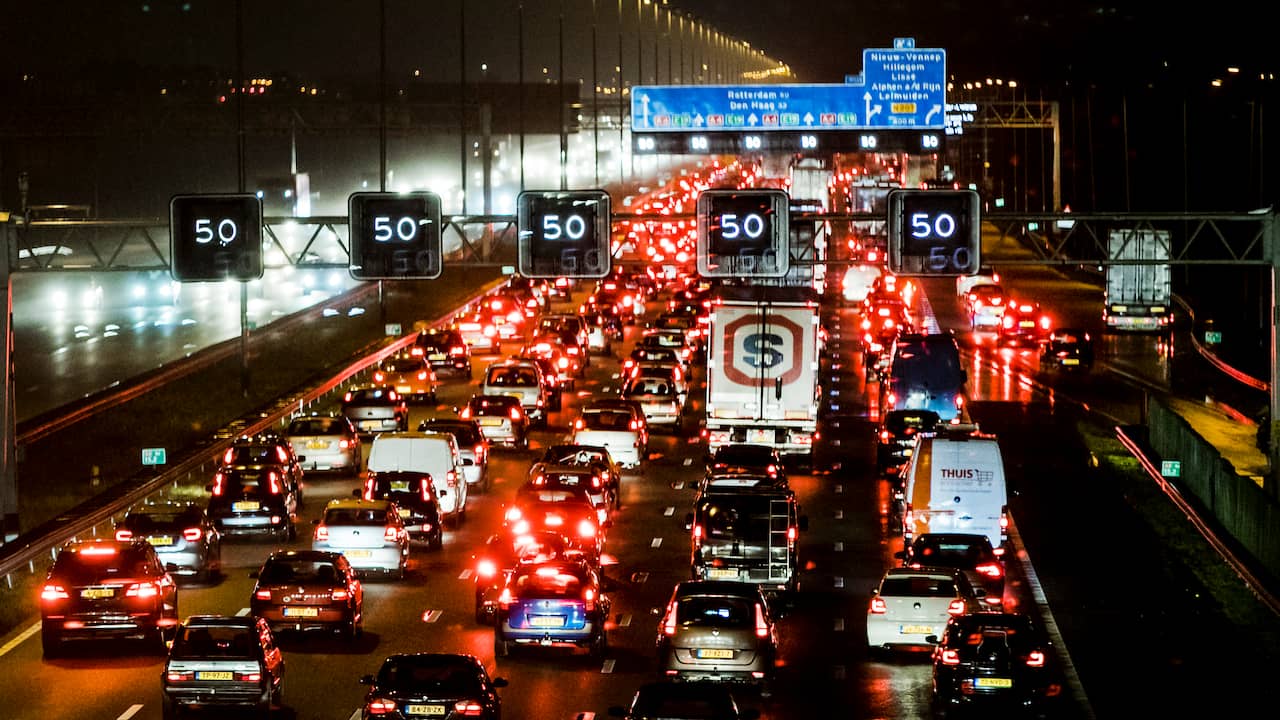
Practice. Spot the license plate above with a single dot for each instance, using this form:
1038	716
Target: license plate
435	710
436	356
1027	323
215	675
358	553
404	388
491	421
1070	361
542	621
403	512
317	444
714	654
400	486
722	573
160	540
986	682
763	436
246	506
916	629
370	424
309	612
97	593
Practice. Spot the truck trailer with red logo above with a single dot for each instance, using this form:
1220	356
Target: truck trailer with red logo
762	369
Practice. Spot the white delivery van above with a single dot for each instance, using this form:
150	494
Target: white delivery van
955	483
433	453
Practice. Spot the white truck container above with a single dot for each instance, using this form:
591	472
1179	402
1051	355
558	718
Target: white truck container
811	184
762	369
1138	297
955	483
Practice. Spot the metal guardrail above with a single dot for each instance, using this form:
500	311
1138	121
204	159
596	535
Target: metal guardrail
26	551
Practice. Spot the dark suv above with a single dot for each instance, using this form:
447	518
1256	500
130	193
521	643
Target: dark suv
444	348
253	501
266	450
415	500
99	589
182	534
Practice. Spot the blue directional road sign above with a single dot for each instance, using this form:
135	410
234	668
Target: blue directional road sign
898	88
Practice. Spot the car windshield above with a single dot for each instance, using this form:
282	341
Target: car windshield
141	522
917	586
548	581
215	641
717	611
467	435
446	677
951	553
254	455
278	572
316	426
511	377
402	365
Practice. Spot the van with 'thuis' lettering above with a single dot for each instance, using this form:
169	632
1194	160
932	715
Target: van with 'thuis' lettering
955	483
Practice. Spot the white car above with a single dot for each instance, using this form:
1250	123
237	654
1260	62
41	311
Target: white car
858	280
966	282
913	604
670	372
369	533
615	428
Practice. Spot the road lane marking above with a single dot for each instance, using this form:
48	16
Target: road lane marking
688	462
839	546
839	489
625	620
355	715
9	646
133	710
465	575
657	542
839	514
839	625
678	485
242	612
839	581
608	666
431	616
671	510
694	440
585	716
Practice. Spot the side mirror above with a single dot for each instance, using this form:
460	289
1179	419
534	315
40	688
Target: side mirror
468	462
500	682
688	521
442	493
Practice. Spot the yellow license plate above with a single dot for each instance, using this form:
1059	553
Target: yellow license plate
400	486
160	540
491	421
308	612
404	388
546	621
215	675
436	710
993	682
722	573
317	444
96	593
403	512
916	629
1070	361
1027	323
246	506
358	553
436	356
715	654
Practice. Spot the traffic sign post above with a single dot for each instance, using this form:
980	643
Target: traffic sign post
215	237
563	233
395	236
153	456
743	233
934	232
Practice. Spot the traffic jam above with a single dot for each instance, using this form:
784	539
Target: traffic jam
621	476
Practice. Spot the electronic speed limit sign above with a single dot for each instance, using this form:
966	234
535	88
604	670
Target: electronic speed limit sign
563	233
743	233
934	232
215	237
395	236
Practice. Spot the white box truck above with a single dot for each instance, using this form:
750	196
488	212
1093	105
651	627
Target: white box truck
955	483
1139	291
762	369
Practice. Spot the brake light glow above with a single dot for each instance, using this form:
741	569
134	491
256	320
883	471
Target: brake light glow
379	376
504	600
589	599
381	706
586	529
339	594
124	535
217	483
368	487
956	607
192	534
949	657
1035	659
697	532
322	533
486	568
791	534
275	482
514	514
98	550
991	570
179	676
669	622
877	606
391	534
762	627
142	590
262	594
468	708
54	592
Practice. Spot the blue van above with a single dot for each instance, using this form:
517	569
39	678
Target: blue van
925	374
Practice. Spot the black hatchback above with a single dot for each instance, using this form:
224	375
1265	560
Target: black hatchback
444	685
444	349
252	501
997	662
896	436
415	500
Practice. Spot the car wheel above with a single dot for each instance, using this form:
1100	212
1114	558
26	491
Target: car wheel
291	531
599	646
277	695
437	540
50	644
169	709
501	646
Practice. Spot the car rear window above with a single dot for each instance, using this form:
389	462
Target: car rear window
215	641
953	554
606	419
355	516
433	676
403	365
254	455
494	405
276	572
917	586
101	565
315	426
465	434
726	517
548	581
649	386
511	377
147	521
715	611
378	396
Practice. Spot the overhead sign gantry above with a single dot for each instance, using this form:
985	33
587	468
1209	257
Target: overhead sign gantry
897	104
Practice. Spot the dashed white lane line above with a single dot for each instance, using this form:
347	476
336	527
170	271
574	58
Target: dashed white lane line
608	666
21	638
133	710
679	485
431	616
355	715
657	542
839	514
838	581
465	574
688	462
671	510
625	620
839	489
242	612
839	546
838	672
839	626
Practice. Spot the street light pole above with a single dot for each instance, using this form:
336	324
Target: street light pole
595	93
520	82
462	97
564	131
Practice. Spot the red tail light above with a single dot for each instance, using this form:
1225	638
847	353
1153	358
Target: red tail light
877	606
589	599
991	570
142	590
322	533
956	607
949	657
959	401
192	534
391	534
218	479
586	529
466	413
635	424
344	444
124	535
505	599
339	594
486	568
516	413
468	708
416	352
228	456
891	399
669	622
422	375
762	627
513	514
578	424
595	481
458	350
179	676
368	487
262	594
379	376
1035	659
381	706
791	534
884	436
697	532
274	479
54	592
